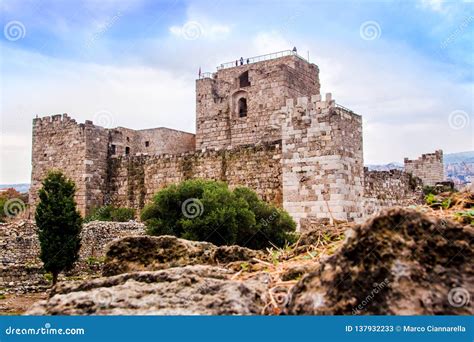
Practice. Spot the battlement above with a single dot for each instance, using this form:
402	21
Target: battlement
308	111
426	157
235	105
322	159
261	122
429	167
57	118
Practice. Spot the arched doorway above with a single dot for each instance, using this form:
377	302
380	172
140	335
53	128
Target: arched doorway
242	107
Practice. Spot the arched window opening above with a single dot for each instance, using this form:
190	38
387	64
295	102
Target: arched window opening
244	80
242	106
127	150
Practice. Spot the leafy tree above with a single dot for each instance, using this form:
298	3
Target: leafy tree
12	203
209	211
59	224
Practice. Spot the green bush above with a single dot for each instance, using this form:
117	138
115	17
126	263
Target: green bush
59	224
208	211
122	214
110	213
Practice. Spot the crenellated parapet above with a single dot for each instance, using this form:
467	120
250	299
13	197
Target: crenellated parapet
429	167
322	160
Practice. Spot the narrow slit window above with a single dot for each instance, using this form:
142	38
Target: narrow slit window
244	80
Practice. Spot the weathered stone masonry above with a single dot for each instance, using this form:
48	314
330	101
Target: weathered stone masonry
263	125
384	189
135	179
428	167
322	160
20	266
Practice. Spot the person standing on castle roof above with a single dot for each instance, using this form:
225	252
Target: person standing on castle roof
236	62
248	60
241	60
294	49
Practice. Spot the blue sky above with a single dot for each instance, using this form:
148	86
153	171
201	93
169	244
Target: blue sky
406	66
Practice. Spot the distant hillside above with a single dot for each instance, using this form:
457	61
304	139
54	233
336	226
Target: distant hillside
458	167
385	167
23	187
453	158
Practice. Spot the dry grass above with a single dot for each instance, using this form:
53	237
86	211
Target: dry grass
457	206
320	243
284	266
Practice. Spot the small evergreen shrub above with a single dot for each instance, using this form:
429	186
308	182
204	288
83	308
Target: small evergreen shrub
111	213
204	210
59	224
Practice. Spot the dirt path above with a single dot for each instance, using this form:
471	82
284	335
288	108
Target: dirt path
17	304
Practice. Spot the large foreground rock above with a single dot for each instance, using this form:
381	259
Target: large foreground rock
399	263
150	253
191	290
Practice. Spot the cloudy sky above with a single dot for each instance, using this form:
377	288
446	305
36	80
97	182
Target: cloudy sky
406	66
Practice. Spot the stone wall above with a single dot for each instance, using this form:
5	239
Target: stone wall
293	148
151	141
58	143
383	189
83	152
322	160
135	179
20	266
429	167
270	83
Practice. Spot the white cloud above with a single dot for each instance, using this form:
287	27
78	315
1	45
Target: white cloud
434	5
137	97
194	29
404	97
267	42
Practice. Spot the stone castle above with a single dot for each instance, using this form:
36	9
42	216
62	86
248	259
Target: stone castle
262	124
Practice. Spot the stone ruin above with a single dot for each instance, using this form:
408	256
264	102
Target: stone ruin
263	124
429	167
21	269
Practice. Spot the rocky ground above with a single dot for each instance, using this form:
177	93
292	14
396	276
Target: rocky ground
404	261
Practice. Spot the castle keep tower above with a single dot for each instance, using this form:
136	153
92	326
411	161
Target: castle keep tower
234	106
322	162
261	124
